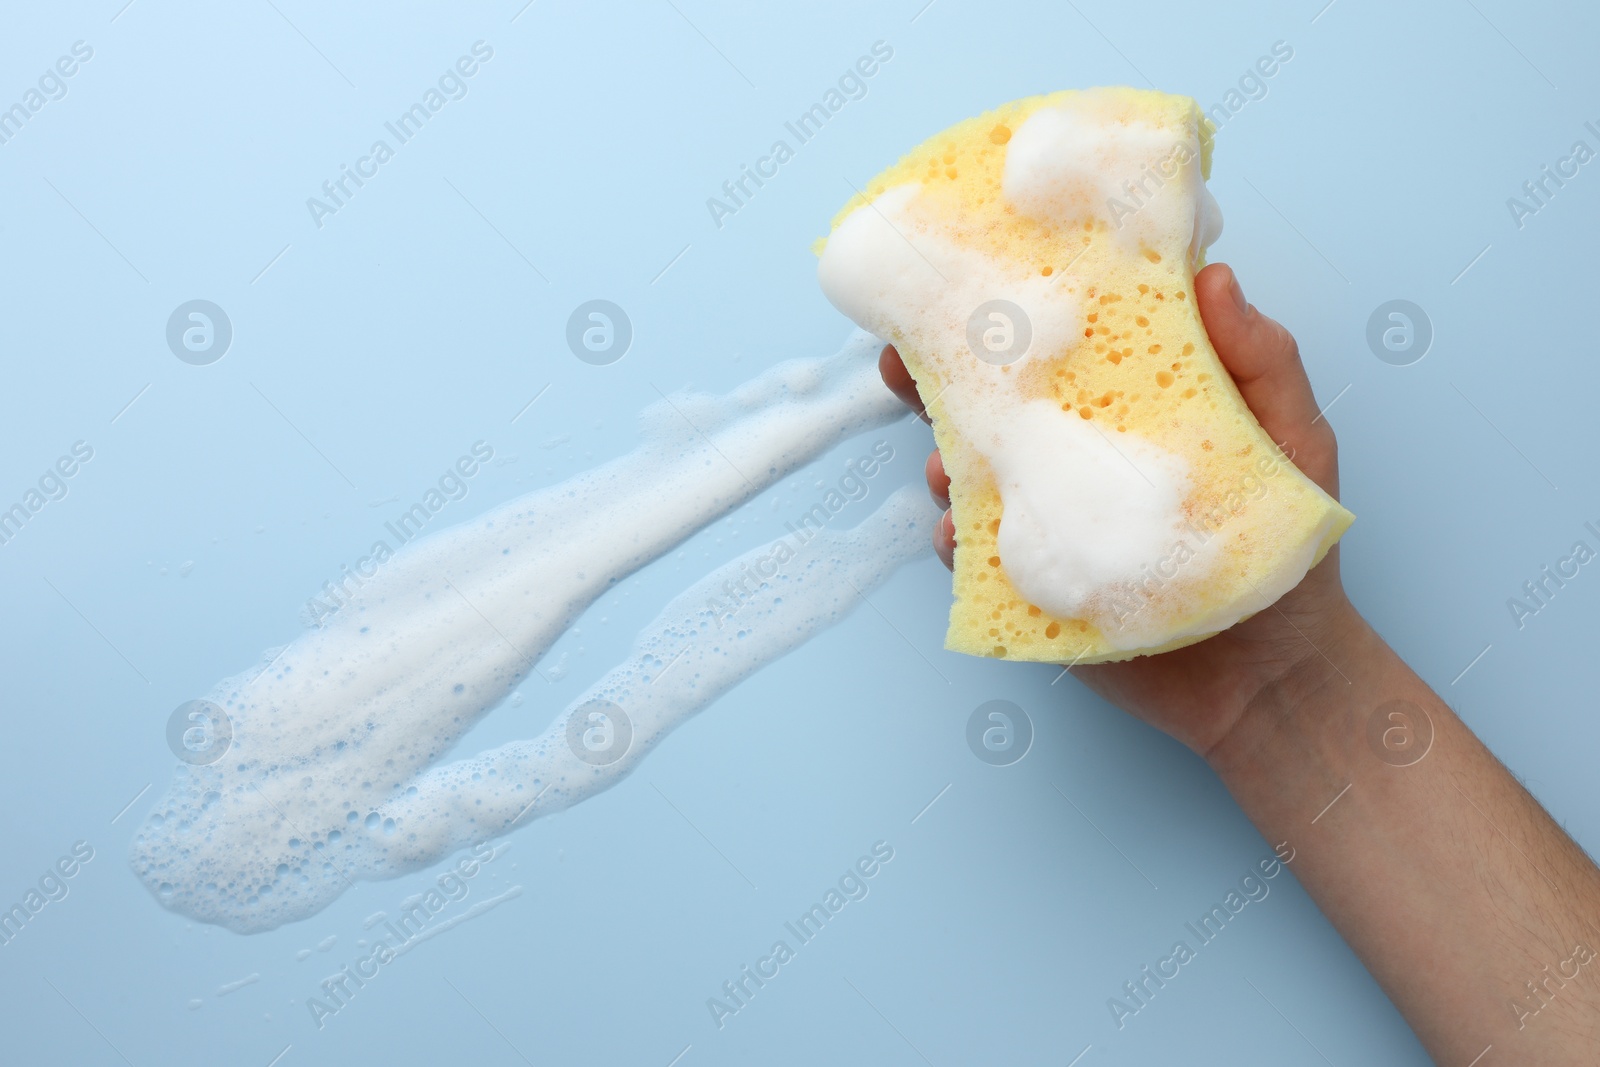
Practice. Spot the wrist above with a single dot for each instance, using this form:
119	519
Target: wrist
1303	716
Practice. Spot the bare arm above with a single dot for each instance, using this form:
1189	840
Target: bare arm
1474	911
1469	905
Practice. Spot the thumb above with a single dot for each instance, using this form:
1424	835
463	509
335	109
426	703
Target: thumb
1264	361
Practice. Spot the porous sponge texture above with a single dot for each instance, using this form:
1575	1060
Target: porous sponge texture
1140	364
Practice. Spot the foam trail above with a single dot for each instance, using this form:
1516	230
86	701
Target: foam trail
693	652
343	719
686	658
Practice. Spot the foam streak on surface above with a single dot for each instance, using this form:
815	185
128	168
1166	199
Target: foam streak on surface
344	719
680	663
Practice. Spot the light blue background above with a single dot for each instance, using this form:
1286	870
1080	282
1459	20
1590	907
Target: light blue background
1377	166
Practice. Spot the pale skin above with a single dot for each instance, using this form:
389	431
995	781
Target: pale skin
1475	912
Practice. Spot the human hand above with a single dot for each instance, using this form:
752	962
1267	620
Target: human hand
1199	693
1464	898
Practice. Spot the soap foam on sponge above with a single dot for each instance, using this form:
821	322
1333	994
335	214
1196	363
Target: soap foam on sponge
1112	494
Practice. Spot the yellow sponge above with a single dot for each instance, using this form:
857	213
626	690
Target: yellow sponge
1034	266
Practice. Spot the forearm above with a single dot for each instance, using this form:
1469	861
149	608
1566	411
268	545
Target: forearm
1477	915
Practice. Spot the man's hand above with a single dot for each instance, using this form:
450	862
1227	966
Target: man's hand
1473	910
1198	693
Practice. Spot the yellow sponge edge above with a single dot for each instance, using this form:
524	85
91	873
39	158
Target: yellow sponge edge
1141	364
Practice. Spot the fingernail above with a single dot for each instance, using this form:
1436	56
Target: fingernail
1238	293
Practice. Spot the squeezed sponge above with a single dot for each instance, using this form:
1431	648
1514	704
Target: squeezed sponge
1112	494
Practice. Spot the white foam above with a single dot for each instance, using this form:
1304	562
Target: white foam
1083	514
1086	158
344	719
891	267
687	657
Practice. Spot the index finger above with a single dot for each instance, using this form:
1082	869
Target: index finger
893	370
